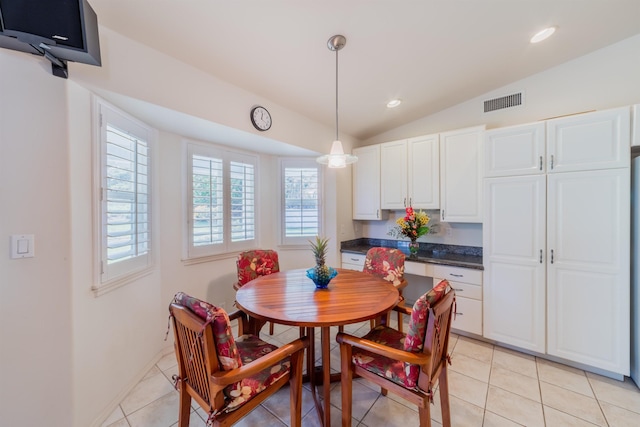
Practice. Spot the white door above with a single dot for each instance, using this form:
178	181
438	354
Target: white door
514	261
598	140
588	268
460	175
423	158
366	183
393	174
514	150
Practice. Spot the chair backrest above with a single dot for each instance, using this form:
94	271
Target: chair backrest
254	263
387	263
204	345
429	330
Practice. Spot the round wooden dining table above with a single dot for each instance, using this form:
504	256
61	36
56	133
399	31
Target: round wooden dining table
291	298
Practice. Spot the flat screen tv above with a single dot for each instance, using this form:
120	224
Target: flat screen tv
61	30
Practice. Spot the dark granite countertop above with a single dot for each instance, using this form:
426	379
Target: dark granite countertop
433	253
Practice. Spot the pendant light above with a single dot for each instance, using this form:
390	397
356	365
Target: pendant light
337	158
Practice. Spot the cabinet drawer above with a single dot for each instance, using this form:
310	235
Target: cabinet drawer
466	290
357	259
468	315
458	274
418	268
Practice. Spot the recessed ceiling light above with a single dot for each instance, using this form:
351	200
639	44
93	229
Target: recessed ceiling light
543	35
394	103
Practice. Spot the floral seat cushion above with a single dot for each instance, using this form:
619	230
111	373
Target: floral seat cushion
235	353
385	263
259	262
405	374
393	370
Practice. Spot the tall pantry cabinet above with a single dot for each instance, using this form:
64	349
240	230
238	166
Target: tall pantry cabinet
556	238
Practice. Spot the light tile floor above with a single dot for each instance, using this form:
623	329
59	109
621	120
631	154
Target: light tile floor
489	386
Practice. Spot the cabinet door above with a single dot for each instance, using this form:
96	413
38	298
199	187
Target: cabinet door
423	158
393	175
588	268
366	183
515	150
514	261
597	140
460	175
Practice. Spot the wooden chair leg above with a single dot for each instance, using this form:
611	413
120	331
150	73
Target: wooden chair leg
185	407
372	323
270	328
425	415
400	322
295	384
443	387
346	379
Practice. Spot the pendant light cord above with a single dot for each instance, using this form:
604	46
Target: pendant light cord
337	139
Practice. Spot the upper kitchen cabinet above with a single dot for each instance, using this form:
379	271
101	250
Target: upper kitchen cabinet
461	175
366	183
409	172
515	150
597	140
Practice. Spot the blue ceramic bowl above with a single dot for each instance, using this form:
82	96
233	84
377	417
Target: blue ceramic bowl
321	284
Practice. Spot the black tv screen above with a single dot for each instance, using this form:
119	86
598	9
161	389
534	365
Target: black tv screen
66	29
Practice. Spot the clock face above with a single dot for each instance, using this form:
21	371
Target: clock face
261	118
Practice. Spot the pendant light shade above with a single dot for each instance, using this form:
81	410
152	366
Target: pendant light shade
337	158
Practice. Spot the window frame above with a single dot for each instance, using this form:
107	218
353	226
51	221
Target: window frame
306	163
108	277
203	253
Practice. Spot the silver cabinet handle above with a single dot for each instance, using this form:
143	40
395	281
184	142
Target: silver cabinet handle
443	214
409	201
456	275
457	313
551	256
404	202
552	162
377	213
540	256
459	290
354	259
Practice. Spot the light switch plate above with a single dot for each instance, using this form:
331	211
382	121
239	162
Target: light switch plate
22	246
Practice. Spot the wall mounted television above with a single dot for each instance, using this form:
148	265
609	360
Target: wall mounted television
59	30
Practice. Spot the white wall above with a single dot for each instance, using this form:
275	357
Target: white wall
36	365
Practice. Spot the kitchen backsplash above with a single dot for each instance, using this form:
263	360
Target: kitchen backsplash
445	233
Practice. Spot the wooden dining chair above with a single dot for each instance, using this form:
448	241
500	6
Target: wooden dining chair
227	377
255	263
388	264
409	365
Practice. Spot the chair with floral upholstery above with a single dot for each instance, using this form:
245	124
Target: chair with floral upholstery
229	377
409	365
253	264
388	264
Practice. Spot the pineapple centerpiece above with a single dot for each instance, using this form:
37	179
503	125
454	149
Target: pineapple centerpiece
321	274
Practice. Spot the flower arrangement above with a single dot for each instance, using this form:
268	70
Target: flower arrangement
412	225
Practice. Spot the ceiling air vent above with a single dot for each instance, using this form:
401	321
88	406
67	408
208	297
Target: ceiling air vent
503	102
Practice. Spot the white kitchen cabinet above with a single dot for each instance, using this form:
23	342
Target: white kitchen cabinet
588	238
557	276
514	255
410	173
467	283
366	183
393	174
461	175
598	140
424	171
351	261
515	150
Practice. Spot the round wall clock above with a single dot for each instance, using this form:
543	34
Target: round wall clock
260	118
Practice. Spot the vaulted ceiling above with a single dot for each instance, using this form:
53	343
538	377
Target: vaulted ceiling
430	53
